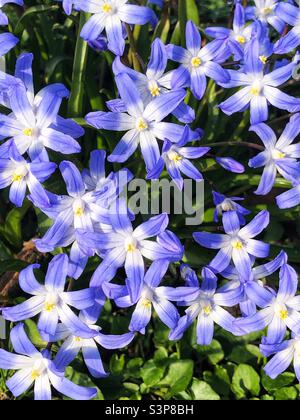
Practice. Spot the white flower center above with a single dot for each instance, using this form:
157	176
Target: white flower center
78	207
174	156
237	244
39	367
141	124
154	89
257	88
281	311
196	62
278	154
227	205
108	8
51	302
19	173
131	244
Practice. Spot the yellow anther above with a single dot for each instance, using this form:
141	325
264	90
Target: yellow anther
28	132
49	307
17	178
78	339
277	154
207	310
175	157
79	211
267	10
196	62
255	91
283	314
106	8
263	59
35	374
146	303
238	245
241	39
141	124
155	91
130	248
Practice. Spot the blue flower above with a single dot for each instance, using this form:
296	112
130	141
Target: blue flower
20	174
151	295
259	89
258	274
3	16
51	301
266	12
236	38
35	368
88	346
34	123
143	124
284	354
291	15
224	204
197	63
237	243
85	208
177	157
279	156
279	311
289	198
68	5
7	42
111	15
230	165
121	245
205	303
154	82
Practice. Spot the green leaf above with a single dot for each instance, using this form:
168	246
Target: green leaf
12	229
281	381
202	391
31	11
245	379
12	266
245	354
286	393
219	380
117	364
133	368
213	352
151	374
179	376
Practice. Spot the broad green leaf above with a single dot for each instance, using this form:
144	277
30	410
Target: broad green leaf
151	374
245	380
202	391
213	352
178	377
219	380
116	364
245	354
283	380
286	393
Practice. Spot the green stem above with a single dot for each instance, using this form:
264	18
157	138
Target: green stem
77	91
136	59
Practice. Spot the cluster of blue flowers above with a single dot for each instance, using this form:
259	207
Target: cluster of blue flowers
93	218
